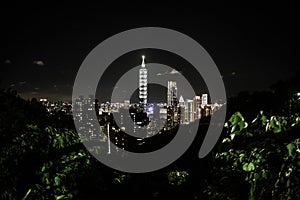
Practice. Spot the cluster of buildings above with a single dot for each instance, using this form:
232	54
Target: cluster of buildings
53	107
117	119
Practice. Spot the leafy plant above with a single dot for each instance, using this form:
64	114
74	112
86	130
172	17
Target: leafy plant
177	177
266	152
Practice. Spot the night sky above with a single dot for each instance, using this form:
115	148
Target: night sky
42	49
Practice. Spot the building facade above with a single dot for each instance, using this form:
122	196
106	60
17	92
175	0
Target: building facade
143	84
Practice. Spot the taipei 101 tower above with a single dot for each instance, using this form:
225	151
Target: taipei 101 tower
143	84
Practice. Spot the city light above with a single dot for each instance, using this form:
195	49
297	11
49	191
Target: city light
166	115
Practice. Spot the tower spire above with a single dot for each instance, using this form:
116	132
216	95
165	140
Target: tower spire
143	83
143	61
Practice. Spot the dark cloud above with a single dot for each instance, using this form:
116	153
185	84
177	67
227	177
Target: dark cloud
22	82
7	61
172	72
39	63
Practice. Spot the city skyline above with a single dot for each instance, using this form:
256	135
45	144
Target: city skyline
41	55
161	66
146	101
182	110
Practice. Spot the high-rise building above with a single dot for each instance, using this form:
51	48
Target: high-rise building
84	109
163	115
172	93
143	84
181	101
78	108
197	107
189	111
204	100
182	110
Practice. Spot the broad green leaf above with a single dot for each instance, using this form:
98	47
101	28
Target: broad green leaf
288	183
26	195
264	120
43	168
56	181
290	148
248	167
251	167
264	175
245	167
256	176
59	197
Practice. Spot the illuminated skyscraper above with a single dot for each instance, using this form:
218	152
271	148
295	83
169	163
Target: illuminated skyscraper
190	117
204	100
172	93
181	101
197	107
143	84
182	110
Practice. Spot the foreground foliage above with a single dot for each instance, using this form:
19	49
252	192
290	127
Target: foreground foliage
264	153
42	159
